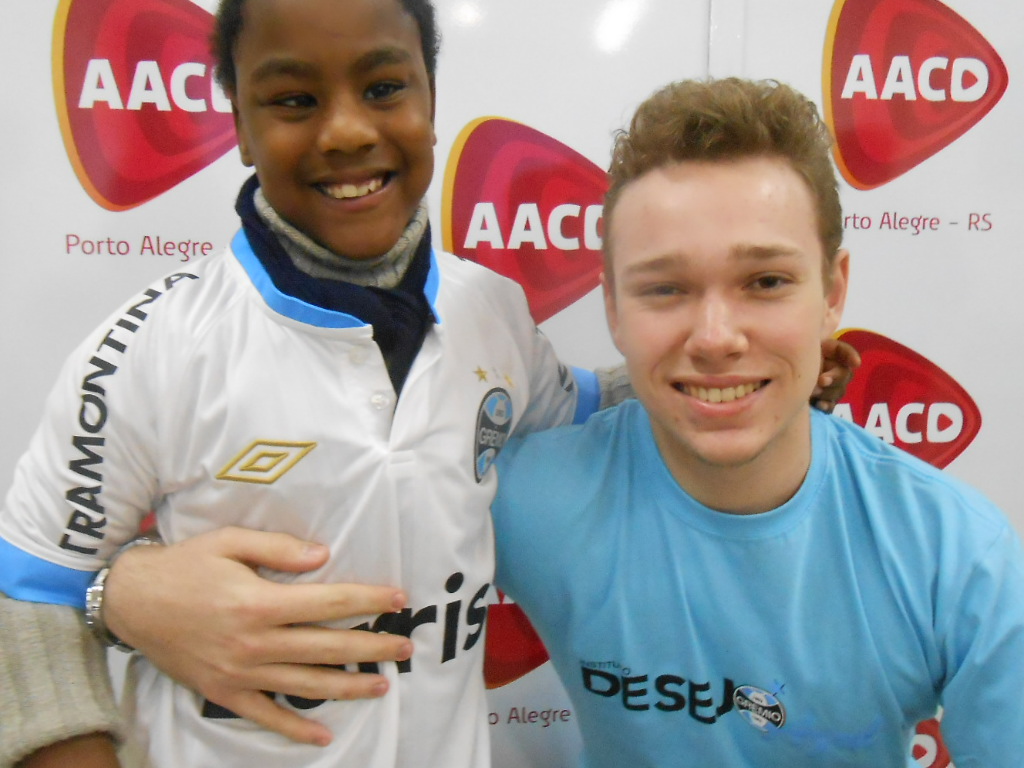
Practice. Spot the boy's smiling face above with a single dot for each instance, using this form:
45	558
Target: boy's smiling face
334	108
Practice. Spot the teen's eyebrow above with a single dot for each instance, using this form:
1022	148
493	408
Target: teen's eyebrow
741	252
649	266
762	252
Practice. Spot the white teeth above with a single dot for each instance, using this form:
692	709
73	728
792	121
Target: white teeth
348	191
721	395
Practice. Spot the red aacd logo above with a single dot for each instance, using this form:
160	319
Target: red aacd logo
528	207
136	100
513	646
908	401
903	79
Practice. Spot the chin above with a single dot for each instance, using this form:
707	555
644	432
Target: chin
729	457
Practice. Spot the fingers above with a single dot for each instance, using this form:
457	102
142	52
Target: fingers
309	603
839	360
320	645
838	354
847	355
306	682
276	551
309	682
255	706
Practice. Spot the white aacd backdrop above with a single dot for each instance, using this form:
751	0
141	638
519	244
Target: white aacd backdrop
573	70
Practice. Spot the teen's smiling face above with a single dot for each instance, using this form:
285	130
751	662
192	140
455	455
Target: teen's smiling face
334	108
719	304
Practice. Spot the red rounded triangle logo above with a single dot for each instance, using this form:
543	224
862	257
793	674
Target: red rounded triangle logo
137	104
528	207
903	79
908	401
513	646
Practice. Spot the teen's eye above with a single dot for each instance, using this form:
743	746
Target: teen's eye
384	90
658	290
770	282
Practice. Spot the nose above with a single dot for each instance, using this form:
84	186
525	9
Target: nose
717	331
348	127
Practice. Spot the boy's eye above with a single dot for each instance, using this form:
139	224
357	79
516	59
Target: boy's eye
295	101
384	90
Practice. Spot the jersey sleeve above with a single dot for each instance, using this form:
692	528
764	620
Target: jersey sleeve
983	721
88	477
559	394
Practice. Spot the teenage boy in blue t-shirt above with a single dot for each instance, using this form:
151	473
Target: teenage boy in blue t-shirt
722	575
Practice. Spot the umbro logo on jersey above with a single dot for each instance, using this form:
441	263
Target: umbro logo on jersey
264	462
903	79
136	100
493	424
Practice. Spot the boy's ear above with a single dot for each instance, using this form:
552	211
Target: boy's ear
243	144
433	107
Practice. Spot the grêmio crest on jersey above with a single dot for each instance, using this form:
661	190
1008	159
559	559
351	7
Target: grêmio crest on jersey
493	424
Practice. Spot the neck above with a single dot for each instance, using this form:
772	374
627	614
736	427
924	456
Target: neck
385	271
757	484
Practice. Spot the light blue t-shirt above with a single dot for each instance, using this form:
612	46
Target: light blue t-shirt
817	634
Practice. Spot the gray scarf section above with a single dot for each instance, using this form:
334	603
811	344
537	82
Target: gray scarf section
316	261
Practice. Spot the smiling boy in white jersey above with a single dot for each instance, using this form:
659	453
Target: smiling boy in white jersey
319	378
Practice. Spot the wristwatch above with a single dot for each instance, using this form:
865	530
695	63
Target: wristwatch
94	595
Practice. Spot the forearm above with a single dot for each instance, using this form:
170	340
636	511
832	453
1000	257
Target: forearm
54	683
93	751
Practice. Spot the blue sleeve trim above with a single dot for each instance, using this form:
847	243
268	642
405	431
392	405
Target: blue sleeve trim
588	401
282	303
433	285
30	578
307	313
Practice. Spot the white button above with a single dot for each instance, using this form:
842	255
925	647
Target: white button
380	401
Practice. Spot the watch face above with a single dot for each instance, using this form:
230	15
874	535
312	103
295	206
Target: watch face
94	602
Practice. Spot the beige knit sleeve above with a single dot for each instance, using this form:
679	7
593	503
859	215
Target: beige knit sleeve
54	682
614	384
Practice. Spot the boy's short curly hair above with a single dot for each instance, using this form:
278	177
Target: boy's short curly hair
730	119
228	26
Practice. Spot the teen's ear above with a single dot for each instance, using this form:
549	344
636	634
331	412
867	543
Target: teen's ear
835	293
243	143
610	309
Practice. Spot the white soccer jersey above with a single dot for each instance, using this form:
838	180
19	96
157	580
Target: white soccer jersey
213	399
